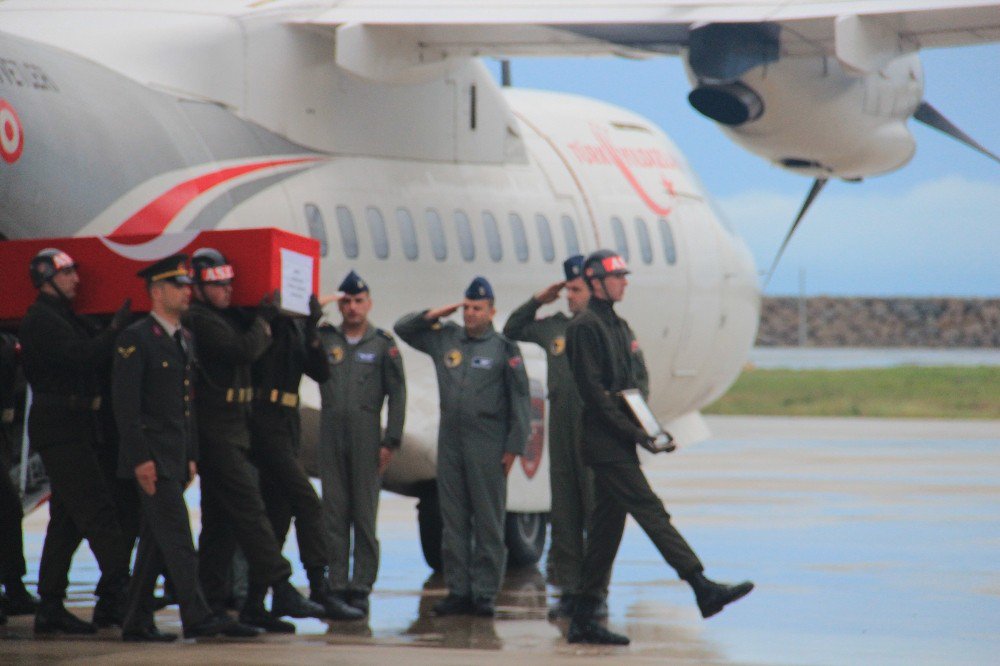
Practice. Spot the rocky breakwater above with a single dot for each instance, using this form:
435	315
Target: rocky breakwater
881	322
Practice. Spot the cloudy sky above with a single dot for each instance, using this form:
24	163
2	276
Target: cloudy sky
930	228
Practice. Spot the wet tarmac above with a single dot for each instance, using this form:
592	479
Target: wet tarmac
866	545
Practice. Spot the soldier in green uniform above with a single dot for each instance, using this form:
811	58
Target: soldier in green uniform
606	358
284	483
64	356
152	385
570	480
232	508
485	422
366	371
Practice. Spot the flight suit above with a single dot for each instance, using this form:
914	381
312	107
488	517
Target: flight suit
274	438
63	355
571	481
152	391
12	565
605	358
362	377
231	504
485	412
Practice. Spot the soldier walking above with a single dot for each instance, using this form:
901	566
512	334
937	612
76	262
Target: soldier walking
232	508
366	371
152	386
570	479
485	421
605	358
64	355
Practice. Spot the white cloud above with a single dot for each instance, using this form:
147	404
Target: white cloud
940	237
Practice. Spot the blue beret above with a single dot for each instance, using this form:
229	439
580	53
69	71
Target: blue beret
573	267
479	290
353	284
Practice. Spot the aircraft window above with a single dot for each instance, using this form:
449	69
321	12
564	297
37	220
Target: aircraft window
545	237
520	237
667	236
493	242
569	231
435	229
376	227
348	234
621	242
645	247
317	228
465	242
407	233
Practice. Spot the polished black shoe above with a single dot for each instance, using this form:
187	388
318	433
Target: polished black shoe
453	604
147	635
358	599
712	597
591	632
221	624
287	601
109	611
53	618
563	609
484	607
335	608
17	600
261	619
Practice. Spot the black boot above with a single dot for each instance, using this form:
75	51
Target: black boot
18	600
584	627
453	604
358	599
335	607
109	611
53	618
712	596
255	615
563	609
287	601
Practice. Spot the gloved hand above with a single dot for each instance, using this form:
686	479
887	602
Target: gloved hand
270	306
122	316
315	314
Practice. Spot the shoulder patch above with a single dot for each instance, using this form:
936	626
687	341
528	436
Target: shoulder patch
635	346
393	352
515	362
125	352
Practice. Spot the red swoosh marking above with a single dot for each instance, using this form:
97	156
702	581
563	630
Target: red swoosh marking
154	217
602	138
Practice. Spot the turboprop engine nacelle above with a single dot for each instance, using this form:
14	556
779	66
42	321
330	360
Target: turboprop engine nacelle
804	113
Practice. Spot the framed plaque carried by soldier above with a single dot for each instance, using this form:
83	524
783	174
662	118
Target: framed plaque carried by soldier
660	441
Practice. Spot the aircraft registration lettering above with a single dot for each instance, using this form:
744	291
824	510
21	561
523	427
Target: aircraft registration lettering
13	73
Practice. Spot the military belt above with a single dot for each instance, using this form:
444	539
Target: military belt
239	395
277	397
76	403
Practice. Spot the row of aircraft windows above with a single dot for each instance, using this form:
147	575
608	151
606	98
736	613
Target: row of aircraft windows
406	228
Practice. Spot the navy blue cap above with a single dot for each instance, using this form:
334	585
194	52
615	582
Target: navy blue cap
479	290
573	267
353	284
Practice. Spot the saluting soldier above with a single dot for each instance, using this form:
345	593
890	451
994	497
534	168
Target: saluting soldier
63	356
606	359
152	388
366	371
570	480
232	508
485	422
16	600
275	429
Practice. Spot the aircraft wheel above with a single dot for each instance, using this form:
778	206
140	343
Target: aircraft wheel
525	538
429	521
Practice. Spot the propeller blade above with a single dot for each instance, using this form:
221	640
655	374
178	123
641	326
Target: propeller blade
931	117
817	186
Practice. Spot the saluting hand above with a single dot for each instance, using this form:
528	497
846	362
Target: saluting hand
443	311
550	293
145	474
122	316
331	298
508	461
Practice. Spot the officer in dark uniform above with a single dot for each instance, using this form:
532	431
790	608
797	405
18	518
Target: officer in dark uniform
275	428
605	358
485	422
231	506
366	370
152	388
16	600
64	355
570	480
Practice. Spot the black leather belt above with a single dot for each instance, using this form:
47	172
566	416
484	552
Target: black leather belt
76	403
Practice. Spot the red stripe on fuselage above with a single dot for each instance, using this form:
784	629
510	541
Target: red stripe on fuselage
155	216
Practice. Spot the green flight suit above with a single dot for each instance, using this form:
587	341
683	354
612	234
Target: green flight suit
363	376
571	481
606	358
485	412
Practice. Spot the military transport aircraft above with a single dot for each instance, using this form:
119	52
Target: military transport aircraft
374	127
